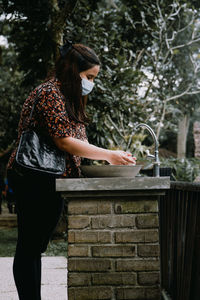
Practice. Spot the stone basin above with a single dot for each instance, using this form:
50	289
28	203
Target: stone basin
110	170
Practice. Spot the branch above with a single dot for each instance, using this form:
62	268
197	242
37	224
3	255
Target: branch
163	20
187	44
170	39
186	92
195	65
176	12
113	4
179	95
121	122
159	10
70	7
161	120
113	137
153	113
166	56
194	92
190	23
155	67
138	58
115	126
130	20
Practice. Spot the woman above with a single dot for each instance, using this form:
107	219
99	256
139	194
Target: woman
60	114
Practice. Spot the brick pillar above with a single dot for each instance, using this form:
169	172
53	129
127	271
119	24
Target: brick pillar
113	248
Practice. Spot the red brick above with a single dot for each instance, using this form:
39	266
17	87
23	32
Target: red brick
89	265
79	279
136	206
148	250
90	293
89	236
148	221
113	251
77	222
137	236
138	293
149	278
77	250
89	207
114	278
101	222
137	265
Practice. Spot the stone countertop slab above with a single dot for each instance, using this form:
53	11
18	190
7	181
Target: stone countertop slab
112	184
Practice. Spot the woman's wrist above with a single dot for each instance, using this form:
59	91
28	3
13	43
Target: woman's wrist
109	155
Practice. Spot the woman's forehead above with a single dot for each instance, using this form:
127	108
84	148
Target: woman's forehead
93	71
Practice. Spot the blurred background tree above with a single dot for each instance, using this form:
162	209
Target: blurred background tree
149	55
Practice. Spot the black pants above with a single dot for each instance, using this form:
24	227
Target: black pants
38	211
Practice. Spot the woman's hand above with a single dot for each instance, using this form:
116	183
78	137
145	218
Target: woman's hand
118	157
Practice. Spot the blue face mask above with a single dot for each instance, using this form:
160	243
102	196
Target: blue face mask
87	86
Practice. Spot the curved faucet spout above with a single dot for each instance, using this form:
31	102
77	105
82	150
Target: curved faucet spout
151	131
157	162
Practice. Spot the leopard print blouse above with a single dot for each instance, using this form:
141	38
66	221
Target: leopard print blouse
50	116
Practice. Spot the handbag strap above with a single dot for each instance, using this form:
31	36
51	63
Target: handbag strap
31	112
34	104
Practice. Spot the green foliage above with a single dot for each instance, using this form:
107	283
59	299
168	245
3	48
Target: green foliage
36	32
57	248
183	169
113	106
139	71
8	240
12	97
142	63
30	37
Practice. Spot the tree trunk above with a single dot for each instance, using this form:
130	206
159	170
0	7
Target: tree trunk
182	136
196	132
58	18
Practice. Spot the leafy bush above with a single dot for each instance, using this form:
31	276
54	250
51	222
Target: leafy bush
56	248
183	169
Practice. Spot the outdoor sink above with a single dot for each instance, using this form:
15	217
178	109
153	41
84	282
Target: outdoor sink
99	207
110	170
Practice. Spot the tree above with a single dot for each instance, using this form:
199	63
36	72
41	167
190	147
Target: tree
138	42
34	18
34	31
161	71
37	32
175	70
12	97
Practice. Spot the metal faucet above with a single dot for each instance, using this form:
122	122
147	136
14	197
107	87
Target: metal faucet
156	164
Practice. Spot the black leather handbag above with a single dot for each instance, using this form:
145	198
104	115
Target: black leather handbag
37	152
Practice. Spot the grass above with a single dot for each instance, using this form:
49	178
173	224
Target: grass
8	239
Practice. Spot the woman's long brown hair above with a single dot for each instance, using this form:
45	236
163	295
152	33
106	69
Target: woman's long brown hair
78	58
